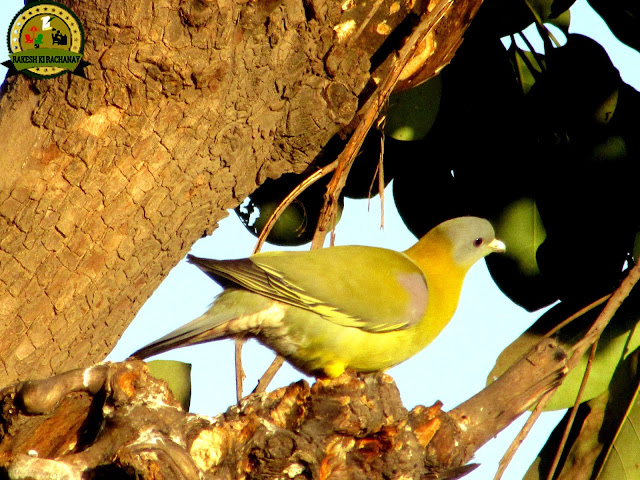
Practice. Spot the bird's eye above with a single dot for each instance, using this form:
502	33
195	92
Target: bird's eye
477	242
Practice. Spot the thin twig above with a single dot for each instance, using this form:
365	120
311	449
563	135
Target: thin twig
379	175
529	45
381	180
306	183
578	314
239	370
574	411
605	316
522	434
373	182
266	378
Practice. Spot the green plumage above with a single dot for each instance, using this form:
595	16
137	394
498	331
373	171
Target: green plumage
398	293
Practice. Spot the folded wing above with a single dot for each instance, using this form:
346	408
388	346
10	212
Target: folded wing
374	289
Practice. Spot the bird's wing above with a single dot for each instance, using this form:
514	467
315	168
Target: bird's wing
374	289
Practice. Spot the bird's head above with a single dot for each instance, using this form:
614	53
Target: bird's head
471	238
462	240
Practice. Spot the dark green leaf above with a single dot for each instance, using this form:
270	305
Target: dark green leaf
412	113
621	428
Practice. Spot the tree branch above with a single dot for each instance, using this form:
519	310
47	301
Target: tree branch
351	426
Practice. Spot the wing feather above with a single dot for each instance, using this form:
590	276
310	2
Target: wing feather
370	288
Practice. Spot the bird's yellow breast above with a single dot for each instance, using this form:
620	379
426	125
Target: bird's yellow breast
323	346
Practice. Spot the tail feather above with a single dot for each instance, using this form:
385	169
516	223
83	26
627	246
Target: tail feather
200	330
234	312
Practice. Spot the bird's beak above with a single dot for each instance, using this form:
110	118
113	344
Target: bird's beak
496	245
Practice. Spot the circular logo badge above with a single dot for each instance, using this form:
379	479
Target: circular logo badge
46	40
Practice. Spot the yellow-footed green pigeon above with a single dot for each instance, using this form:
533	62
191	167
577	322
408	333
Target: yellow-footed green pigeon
347	307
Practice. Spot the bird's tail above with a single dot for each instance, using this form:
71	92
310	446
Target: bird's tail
202	329
234	312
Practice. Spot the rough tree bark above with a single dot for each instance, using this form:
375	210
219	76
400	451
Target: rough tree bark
114	421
